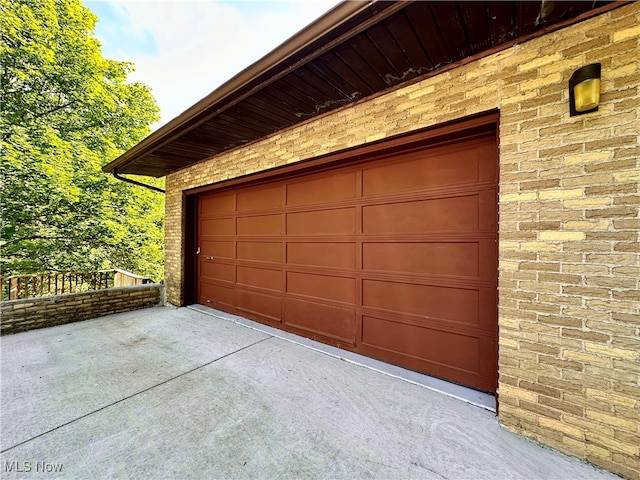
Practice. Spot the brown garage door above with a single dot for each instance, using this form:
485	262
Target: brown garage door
394	258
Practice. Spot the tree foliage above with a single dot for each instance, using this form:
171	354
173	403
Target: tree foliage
66	111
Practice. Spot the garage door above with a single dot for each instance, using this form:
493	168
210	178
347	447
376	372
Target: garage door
394	257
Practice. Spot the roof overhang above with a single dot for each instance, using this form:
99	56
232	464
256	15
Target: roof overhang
355	51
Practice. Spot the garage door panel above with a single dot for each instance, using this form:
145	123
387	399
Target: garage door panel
216	295
463	259
217	204
216	249
319	319
484	380
269	306
488	163
324	189
217	227
339	289
325	254
322	222
260	225
437	215
260	199
260	277
217	271
489	259
260	251
421	172
448	303
456	350
488	310
488	211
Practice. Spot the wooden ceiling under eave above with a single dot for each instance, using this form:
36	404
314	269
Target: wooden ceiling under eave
379	47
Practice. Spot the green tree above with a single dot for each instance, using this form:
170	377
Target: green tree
65	112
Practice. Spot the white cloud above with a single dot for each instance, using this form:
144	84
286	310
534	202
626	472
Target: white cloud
202	44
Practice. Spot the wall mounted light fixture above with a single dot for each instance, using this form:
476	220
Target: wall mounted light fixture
584	90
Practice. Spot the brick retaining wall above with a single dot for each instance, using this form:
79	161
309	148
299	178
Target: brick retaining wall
29	314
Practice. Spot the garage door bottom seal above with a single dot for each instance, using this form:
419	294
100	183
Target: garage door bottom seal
468	395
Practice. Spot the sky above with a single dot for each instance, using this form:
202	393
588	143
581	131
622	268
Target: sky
185	49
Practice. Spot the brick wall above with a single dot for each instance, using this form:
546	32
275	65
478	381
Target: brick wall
569	249
29	314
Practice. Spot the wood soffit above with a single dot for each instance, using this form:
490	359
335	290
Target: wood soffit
356	50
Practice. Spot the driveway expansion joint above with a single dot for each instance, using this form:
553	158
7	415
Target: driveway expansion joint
145	390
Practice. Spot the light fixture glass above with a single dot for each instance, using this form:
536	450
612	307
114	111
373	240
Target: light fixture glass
584	90
587	95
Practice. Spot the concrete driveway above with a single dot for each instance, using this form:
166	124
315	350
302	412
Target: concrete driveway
176	393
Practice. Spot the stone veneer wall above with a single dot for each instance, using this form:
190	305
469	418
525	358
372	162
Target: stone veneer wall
31	313
569	301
